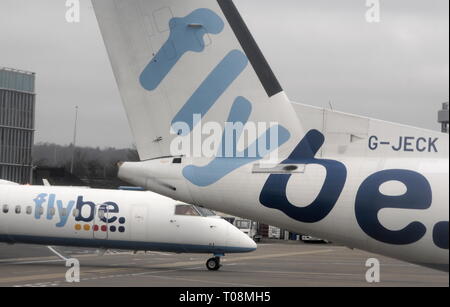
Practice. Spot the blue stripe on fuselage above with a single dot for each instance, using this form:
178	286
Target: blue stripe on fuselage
125	245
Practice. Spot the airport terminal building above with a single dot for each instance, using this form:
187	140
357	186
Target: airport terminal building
17	109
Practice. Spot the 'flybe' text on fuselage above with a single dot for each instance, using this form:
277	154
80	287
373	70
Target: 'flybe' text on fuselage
49	207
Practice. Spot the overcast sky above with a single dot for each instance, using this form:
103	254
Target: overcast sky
321	51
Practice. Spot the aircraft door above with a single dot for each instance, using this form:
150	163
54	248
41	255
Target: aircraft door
100	225
139	223
177	231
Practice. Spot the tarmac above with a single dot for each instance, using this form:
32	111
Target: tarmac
274	264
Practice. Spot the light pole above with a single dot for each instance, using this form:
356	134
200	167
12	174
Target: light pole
74	139
443	117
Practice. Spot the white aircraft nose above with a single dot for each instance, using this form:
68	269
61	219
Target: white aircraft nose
239	241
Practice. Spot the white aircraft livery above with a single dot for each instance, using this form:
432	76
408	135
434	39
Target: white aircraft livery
214	128
109	219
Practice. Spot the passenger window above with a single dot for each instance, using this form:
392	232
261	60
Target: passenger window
102	212
186	210
5	209
41	211
64	212
52	211
29	210
18	209
76	212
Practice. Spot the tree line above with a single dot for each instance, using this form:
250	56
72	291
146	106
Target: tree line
88	162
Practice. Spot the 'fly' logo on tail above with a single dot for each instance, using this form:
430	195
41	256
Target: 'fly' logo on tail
186	34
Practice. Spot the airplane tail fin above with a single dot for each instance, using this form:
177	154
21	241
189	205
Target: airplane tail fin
190	62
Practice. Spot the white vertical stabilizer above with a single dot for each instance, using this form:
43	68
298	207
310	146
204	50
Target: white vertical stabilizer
173	59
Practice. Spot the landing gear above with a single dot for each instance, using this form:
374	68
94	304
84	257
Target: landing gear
213	264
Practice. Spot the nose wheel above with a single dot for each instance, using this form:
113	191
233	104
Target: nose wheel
213	264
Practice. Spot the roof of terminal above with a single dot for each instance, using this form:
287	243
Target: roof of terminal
18	80
19	71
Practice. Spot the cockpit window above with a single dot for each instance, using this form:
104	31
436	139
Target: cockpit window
205	212
191	210
186	210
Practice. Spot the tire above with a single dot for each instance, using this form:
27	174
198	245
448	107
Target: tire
213	264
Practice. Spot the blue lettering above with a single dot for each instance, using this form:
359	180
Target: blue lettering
211	89
51	206
369	202
373	143
440	235
220	166
421	148
63	218
38	208
408	144
80	205
110	207
400	143
432	145
182	39
274	195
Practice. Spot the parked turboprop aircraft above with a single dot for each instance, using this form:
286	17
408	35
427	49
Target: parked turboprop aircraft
189	70
107	219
